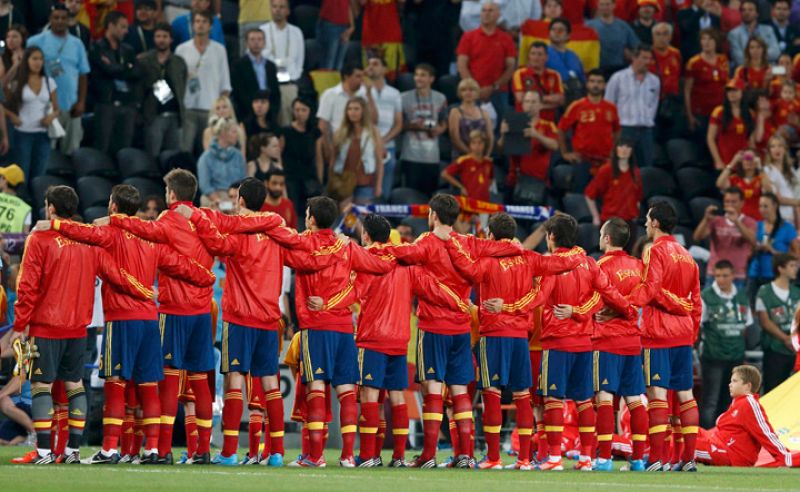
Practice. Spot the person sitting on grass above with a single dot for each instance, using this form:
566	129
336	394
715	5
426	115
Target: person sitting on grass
474	170
744	429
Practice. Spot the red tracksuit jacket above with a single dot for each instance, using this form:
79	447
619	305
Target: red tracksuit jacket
744	429
619	335
174	296
384	324
508	278
430	253
55	286
254	278
143	259
583	288
670	273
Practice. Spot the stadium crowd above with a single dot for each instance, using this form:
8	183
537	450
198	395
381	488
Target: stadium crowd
601	110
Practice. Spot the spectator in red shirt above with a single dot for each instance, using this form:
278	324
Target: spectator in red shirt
488	55
544	140
781	72
595	126
276	201
744	172
706	76
667	64
537	77
618	184
785	111
731	126
474	170
755	72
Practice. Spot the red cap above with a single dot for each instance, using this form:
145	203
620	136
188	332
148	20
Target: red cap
735	83
651	3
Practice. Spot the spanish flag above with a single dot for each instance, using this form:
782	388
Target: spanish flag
583	41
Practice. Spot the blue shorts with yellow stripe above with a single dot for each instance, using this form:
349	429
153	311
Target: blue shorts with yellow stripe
669	368
186	341
618	374
504	362
328	356
246	349
131	350
566	375
378	370
446	358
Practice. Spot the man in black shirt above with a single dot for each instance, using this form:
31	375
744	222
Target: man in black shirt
114	78
140	34
163	85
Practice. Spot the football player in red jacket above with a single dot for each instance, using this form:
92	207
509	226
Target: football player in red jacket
744	429
131	340
668	336
55	295
618	351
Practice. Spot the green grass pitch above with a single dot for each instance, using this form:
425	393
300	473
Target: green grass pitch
85	478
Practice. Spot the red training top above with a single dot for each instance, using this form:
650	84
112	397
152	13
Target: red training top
621	195
285	209
618	335
593	127
708	90
546	83
667	66
487	54
475	175
730	139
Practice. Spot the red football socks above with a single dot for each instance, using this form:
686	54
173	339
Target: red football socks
151	416
524	424
274	404
380	437
554	425
658	413
605	429
399	430
586	422
492	422
638	428
368	429
231	417
203	412
305	445
462	414
542	447
168	396
431	421
348	417
690	420
315	406
128	432
254	431
113	413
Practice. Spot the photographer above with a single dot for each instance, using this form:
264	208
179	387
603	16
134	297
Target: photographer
732	235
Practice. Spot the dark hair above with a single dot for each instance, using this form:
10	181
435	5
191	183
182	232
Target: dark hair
744	112
665	214
563	21
59	7
261	94
349	69
631	160
163	26
754	2
734	190
160	204
7	62
564	228
781	260
502	226
618	231
538	44
182	183
723	265
446	208
714	34
377	227
126	198
595	72
63	199
426	67
787	2
257	141
274	172
145	3
253	30
206	14
638	246
15	86
778	219
642	48
324	210
376	54
113	17
253	192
